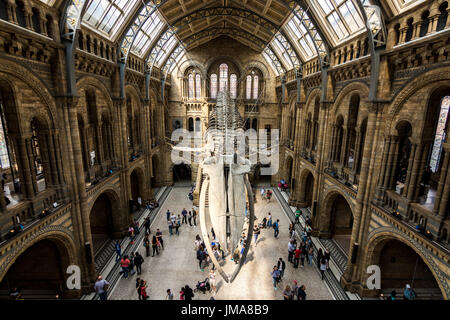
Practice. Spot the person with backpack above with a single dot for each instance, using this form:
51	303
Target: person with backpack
188	294
138	261
301	293
409	293
276	228
101	288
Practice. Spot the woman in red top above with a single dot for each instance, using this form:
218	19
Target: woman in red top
144	290
182	294
125	264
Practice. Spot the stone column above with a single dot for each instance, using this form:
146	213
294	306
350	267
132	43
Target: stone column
27	188
384	161
343	161
390	164
412	155
412	183
443	180
422	164
332	149
357	150
11	9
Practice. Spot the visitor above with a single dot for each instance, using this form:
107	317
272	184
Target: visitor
319	256
118	250
143	287
281	266
269	220
294	288
200	257
136	227
101	288
269	195
287	293
147	225
169	295
15	294
213	234
177	227
276	227
168	214
323	266
275	277
264	223
298	212
188	293
301	293
297	254
190	218
256	232
155	246
291	249
409	293
392	295
236	255
263	191
170	223
182	294
147	245
125	265
138	288
303	254
212	281
194	216
184	213
138	261
159	237
327	256
197	242
131	234
310	254
131	266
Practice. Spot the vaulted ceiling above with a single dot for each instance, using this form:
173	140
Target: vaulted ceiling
251	22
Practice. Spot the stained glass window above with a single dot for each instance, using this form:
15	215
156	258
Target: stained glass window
198	86
440	135
223	78
214	86
233	86
248	90
191	86
255	87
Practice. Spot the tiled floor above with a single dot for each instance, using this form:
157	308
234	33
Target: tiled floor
177	265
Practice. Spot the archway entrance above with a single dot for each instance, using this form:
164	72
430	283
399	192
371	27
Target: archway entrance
307	190
182	173
289	171
401	265
135	186
339	221
101	220
39	272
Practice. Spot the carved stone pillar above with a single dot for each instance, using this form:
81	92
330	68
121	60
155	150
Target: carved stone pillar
444	179
412	155
344	146
390	166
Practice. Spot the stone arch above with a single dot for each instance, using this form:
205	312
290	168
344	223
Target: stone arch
289	170
181	172
137	183
210	62
257	65
306	188
434	78
336	217
91	81
52	236
347	92
191	63
33	81
380	237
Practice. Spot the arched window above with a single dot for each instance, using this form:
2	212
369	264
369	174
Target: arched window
248	90
191	86
213	86
223	77
198	86
233	86
255	87
440	134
